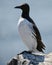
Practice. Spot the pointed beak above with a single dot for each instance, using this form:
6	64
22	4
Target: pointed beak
17	7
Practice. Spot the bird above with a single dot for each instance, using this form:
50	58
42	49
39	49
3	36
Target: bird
28	30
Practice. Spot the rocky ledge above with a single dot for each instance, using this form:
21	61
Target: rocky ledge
26	58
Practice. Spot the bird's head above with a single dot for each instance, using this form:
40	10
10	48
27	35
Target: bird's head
25	8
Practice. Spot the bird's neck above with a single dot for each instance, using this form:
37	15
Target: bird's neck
25	15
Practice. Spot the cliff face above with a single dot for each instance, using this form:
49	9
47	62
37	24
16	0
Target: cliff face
26	58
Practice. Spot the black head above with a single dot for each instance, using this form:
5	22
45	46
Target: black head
25	9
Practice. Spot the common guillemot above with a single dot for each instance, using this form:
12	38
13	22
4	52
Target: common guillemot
29	31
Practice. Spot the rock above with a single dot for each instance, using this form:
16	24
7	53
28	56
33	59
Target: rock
26	58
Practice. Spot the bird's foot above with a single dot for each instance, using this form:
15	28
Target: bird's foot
29	51
26	52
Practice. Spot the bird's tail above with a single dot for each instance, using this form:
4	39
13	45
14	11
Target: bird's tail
40	46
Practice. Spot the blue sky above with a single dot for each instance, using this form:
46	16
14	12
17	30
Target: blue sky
10	42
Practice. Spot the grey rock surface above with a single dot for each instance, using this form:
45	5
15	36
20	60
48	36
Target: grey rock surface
26	58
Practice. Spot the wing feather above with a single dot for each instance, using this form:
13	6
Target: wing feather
37	34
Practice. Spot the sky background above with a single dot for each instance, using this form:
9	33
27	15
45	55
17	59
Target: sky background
10	42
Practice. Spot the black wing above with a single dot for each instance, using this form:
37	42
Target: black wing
40	45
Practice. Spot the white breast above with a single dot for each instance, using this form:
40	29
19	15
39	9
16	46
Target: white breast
25	30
